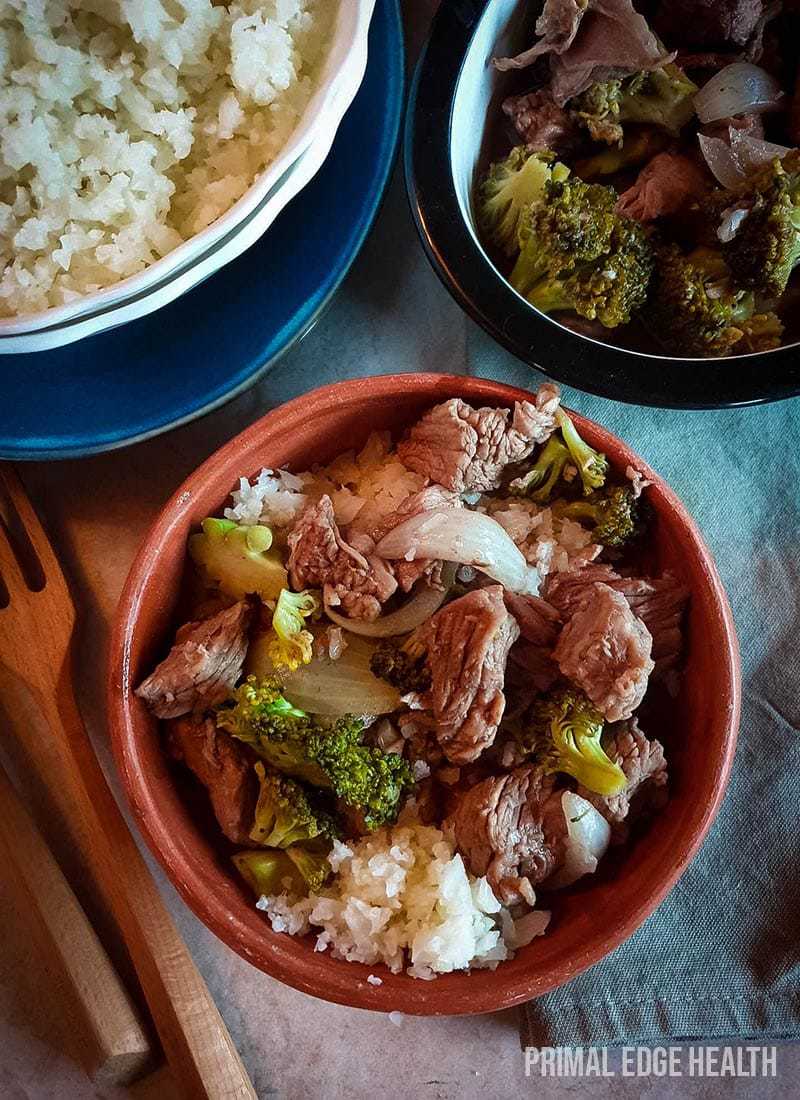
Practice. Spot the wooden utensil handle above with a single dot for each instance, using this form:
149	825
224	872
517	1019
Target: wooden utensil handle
198	1047
112	1045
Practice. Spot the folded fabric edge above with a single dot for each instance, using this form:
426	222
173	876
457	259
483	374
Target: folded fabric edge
671	1017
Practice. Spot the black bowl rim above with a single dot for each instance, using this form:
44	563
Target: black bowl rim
484	294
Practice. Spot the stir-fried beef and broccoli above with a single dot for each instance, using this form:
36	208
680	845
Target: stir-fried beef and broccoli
414	680
654	179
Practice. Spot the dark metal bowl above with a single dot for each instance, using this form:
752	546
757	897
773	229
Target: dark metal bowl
467	271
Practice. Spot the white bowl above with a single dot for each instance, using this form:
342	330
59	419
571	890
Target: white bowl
342	73
238	240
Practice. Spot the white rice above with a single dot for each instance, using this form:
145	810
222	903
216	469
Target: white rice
402	897
551	544
363	488
127	126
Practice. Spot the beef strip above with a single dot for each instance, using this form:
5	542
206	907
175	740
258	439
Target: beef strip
225	768
538	620
320	558
531	667
433	496
556	28
710	23
467	646
605	649
203	665
466	449
659	602
541	123
512	829
667	183
645	769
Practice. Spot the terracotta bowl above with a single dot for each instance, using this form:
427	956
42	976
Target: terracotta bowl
592	917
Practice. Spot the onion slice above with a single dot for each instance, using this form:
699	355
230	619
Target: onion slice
407	618
732	163
588	835
738	89
469	538
721	160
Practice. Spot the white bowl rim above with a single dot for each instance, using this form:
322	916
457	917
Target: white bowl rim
352	27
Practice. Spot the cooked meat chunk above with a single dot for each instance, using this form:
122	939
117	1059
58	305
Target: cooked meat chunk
320	558
605	649
556	28
511	828
467	646
224	767
541	123
646	771
659	602
710	22
434	496
203	665
665	185
538	620
466	449
530	670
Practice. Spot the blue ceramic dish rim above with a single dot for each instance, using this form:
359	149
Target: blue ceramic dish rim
483	293
390	140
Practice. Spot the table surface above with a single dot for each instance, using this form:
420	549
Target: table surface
386	318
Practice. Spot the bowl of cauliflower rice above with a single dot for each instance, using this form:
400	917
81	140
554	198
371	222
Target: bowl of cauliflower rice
425	691
136	137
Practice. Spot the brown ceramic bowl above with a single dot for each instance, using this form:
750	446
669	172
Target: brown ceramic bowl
591	918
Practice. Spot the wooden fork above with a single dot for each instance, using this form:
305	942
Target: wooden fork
36	635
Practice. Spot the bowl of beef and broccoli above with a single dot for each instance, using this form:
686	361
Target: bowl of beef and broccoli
620	192
431	723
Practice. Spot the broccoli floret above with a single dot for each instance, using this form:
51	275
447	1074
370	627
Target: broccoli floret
577	253
613	514
269	873
292	644
765	249
695	306
401	665
639	145
332	757
293	871
592	465
509	187
540	481
286	813
661	98
564	735
238	559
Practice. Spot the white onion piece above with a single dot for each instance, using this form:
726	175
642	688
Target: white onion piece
738	89
407	618
588	834
731	223
721	160
752	152
344	686
469	538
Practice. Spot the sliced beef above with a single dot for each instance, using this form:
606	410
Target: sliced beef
710	23
645	768
531	668
605	649
433	496
511	828
320	558
539	621
541	124
659	602
556	28
225	768
466	449
203	665
467	644
664	186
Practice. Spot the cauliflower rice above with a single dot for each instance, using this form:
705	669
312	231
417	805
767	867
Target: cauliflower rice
403	897
130	125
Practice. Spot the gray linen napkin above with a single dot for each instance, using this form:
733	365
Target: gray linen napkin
720	956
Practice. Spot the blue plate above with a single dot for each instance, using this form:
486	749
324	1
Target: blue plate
153	374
